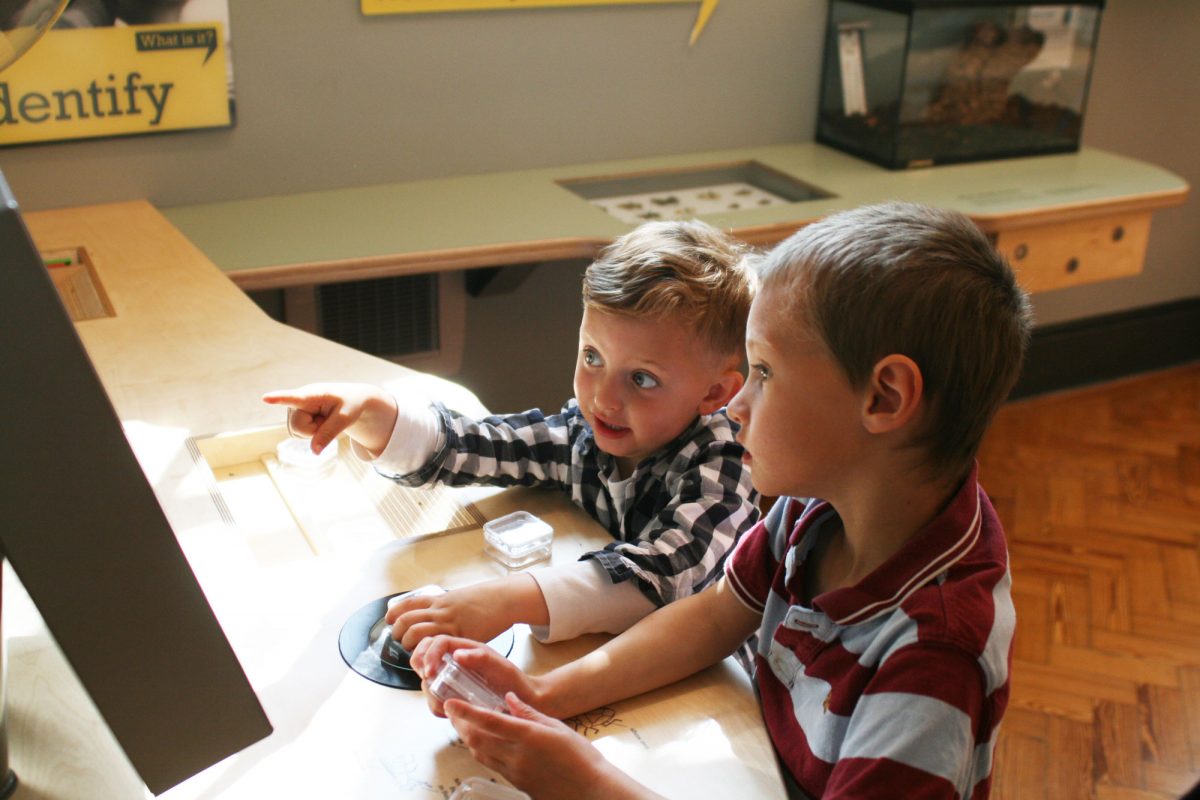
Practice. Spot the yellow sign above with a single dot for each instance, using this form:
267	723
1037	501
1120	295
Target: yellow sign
116	81
426	6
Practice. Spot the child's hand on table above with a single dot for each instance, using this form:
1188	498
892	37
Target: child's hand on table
480	611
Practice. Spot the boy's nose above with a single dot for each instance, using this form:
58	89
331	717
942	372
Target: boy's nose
736	409
733	408
607	396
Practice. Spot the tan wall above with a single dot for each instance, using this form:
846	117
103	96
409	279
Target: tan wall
327	97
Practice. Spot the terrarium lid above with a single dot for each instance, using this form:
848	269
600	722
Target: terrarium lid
912	5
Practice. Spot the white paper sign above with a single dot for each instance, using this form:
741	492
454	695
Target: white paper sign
850	57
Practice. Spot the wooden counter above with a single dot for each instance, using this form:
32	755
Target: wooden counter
1064	220
185	355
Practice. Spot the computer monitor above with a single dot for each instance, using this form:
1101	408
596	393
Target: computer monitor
93	548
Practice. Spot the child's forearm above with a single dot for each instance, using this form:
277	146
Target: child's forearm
373	428
526	603
674	642
581	598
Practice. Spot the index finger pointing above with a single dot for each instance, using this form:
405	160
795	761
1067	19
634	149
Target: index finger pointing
280	397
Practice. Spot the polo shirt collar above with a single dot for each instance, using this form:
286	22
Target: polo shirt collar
949	537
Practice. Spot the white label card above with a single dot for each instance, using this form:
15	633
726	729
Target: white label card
850	57
1058	25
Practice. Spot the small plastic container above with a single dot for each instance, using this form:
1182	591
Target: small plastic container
457	682
482	789
517	540
296	456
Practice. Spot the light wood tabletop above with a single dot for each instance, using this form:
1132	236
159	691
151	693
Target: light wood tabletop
185	356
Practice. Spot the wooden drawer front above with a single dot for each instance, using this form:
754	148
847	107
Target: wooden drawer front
1067	254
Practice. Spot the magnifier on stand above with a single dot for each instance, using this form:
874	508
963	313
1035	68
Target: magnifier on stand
21	25
367	646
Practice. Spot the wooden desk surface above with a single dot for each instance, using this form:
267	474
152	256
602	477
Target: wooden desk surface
528	216
186	355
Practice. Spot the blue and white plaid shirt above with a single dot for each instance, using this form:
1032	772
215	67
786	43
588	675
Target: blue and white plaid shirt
684	510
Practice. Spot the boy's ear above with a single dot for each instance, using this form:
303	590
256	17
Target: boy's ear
720	393
894	395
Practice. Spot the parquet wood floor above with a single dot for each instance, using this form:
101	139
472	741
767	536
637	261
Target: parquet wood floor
1099	492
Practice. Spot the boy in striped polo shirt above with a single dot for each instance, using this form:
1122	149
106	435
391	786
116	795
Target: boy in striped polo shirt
881	343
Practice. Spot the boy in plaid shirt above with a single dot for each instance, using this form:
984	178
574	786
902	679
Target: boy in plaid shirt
644	446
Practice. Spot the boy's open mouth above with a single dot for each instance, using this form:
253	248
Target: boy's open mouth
607	428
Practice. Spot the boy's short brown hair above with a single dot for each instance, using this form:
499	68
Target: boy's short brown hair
924	283
686	269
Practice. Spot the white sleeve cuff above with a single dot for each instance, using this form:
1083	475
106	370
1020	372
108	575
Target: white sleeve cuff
581	598
416	436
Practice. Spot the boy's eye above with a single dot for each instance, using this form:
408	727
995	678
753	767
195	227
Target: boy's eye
592	358
644	380
761	370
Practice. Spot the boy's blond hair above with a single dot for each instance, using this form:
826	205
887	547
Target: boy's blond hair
687	270
924	283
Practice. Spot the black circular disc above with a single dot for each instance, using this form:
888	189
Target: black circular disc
364	645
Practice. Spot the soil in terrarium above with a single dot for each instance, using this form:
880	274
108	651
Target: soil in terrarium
1025	128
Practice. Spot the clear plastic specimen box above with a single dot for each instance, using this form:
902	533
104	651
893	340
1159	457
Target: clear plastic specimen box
517	540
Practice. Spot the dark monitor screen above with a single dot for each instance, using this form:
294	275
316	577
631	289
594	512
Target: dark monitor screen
93	548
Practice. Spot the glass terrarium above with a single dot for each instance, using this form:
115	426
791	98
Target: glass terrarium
909	83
